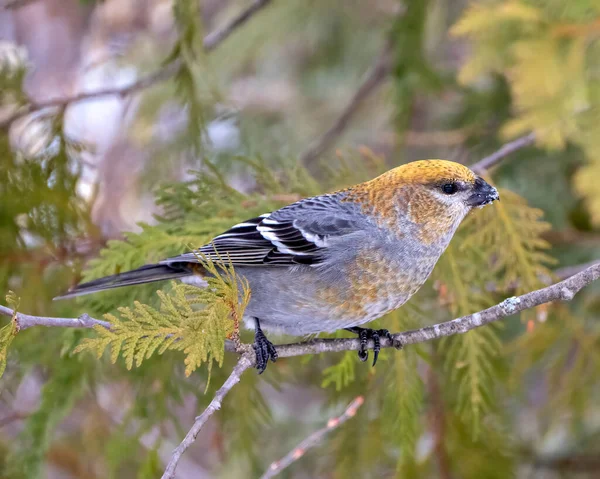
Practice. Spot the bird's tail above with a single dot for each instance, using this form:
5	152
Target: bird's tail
145	274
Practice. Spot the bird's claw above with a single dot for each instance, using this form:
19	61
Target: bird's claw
264	350
364	334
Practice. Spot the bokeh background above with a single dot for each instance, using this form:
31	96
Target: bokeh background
304	97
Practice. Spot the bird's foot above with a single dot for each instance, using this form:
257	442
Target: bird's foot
364	334
264	349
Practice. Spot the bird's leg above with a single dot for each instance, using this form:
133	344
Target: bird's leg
364	334
263	348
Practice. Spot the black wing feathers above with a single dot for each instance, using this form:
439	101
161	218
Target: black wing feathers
296	234
263	241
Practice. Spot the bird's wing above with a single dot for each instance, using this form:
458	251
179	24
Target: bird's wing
296	234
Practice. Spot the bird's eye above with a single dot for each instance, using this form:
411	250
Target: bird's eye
450	188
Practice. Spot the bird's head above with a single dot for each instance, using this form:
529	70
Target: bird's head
436	194
446	183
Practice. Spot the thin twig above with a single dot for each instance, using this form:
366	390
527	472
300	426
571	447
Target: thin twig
246	361
374	78
25	321
211	41
486	163
313	440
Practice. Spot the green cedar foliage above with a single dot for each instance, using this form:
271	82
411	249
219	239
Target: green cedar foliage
8	332
189	319
548	52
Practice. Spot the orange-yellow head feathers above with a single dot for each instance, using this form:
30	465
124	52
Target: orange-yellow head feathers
429	172
438	193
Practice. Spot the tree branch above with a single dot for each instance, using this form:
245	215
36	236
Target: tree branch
374	78
211	41
313	440
562	291
246	361
488	162
25	321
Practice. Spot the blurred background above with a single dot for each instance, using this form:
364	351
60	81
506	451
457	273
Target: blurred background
131	130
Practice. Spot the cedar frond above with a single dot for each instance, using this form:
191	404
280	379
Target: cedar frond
549	55
470	359
403	397
8	332
498	245
566	350
342	373
189	319
510	232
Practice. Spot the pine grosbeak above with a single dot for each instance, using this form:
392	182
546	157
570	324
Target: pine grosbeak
337	260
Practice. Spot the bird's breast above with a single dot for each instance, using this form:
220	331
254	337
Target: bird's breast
379	280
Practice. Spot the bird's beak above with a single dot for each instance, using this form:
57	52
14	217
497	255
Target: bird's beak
483	194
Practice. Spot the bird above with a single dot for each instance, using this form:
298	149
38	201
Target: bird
337	260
